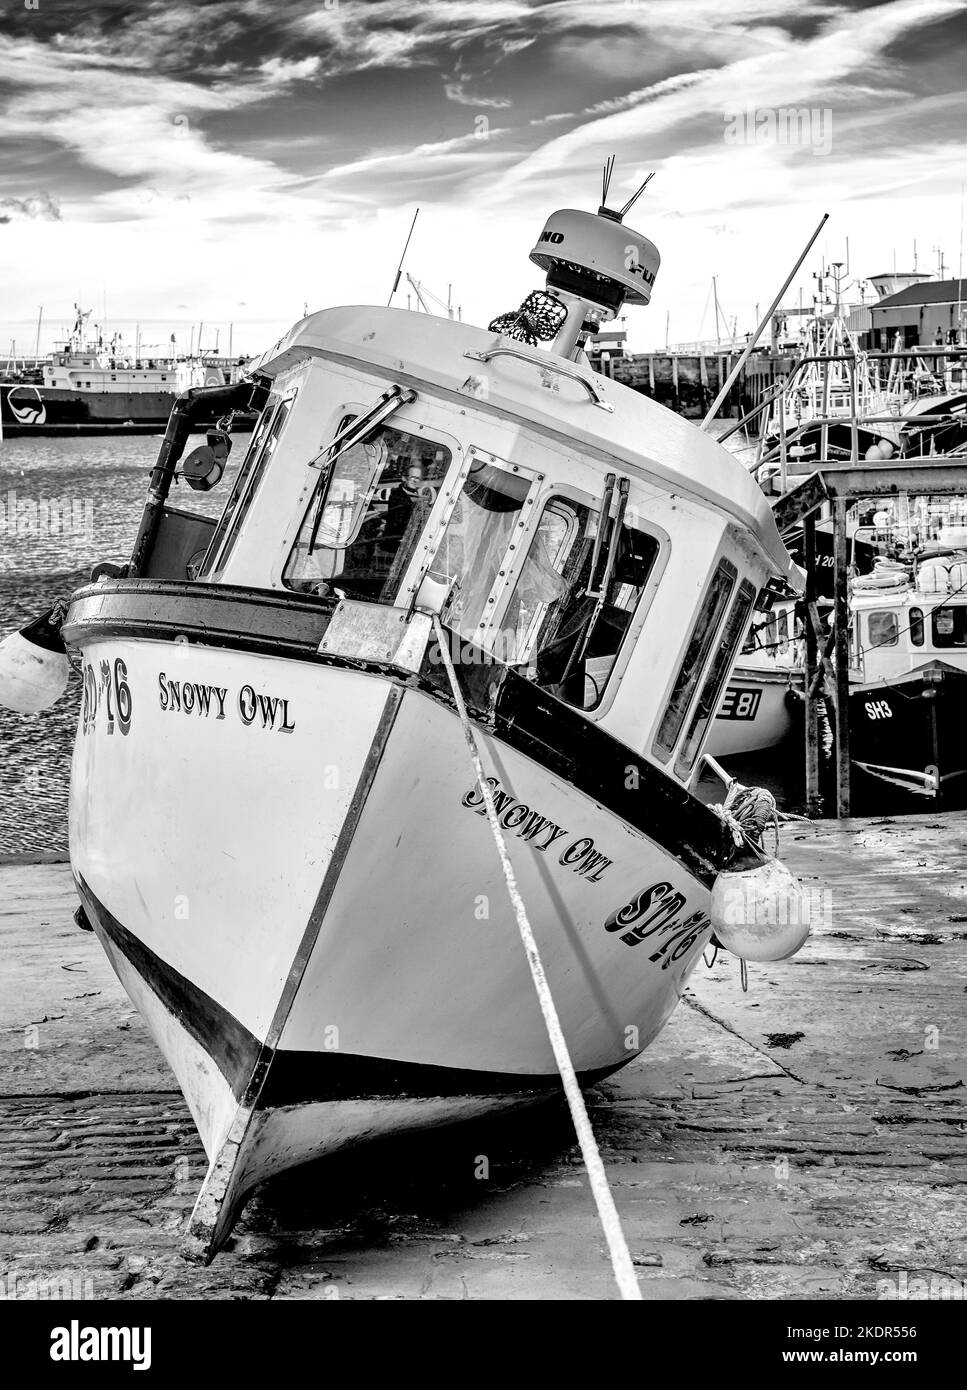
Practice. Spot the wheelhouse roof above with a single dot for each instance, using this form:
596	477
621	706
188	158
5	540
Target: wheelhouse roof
646	438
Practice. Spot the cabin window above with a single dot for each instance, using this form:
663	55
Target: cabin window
562	626
916	626
370	508
950	627
262	445
783	629
883	628
470	560
735	626
714	604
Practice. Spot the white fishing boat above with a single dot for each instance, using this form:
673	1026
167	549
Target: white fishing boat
763	699
276	830
832	384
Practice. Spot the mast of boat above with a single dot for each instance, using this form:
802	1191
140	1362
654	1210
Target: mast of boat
744	357
960	272
40	319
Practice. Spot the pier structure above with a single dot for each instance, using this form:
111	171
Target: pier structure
687	381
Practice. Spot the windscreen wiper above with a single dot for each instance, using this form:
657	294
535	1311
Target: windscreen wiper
600	595
357	431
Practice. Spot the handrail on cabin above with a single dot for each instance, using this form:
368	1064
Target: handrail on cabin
548	365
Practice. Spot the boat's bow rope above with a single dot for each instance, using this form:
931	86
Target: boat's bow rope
621	1262
749	812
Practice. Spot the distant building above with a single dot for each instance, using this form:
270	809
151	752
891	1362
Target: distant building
919	311
605	348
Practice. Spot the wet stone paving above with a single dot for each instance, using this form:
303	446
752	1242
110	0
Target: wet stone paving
804	1140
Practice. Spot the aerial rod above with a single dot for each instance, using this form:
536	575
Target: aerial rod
399	268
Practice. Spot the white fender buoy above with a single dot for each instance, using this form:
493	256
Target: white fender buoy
33	667
761	913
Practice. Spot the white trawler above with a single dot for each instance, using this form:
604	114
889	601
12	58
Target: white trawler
275	828
92	386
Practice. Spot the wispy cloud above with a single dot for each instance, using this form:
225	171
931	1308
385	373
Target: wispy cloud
455	92
278	146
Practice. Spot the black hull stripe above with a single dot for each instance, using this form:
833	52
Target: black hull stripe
500	701
227	1041
301	1078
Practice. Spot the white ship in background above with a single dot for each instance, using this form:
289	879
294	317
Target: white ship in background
87	386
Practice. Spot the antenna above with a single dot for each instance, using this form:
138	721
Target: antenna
399	268
604	210
606	178
635	196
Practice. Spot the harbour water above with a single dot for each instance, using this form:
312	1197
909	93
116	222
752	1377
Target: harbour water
64	505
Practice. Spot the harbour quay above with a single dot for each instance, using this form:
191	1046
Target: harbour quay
803	1140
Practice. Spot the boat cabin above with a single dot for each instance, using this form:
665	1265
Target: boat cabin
895	631
557	522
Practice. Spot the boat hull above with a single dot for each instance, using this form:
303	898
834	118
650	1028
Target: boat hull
759	711
296	883
43	410
910	731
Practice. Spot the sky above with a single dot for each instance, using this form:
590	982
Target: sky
233	161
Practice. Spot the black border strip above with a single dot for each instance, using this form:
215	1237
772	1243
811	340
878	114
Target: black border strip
228	1042
300	1078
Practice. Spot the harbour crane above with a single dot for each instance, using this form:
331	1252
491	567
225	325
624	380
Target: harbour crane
423	294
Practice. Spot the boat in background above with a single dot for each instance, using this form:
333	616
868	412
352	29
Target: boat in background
763	702
811	416
908	682
89	387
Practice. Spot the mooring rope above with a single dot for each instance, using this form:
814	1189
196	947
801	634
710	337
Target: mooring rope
621	1262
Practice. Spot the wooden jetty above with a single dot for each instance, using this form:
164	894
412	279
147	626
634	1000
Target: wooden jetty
804	1140
687	382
